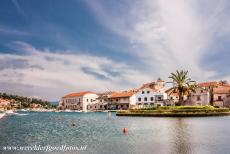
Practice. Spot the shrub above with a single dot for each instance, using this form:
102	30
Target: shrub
180	109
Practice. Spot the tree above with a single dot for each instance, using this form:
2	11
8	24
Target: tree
182	84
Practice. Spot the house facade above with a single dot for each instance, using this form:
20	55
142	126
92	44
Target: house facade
151	97
78	101
101	103
121	100
201	97
221	95
227	101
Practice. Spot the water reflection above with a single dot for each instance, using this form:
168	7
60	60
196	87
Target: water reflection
181	136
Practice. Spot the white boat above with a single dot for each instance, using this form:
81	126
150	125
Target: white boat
22	110
78	111
11	112
67	110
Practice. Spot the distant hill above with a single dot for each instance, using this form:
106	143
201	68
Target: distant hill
25	102
55	103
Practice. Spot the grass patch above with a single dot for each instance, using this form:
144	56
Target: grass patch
176	110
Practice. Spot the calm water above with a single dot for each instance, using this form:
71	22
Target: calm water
104	135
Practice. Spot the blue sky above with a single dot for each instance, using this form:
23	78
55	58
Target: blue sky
52	47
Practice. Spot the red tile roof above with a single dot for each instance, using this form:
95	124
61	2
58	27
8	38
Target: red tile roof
207	84
78	94
3	101
122	94
171	92
222	90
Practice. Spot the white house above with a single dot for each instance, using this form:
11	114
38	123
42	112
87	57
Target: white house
102	103
149	96
78	101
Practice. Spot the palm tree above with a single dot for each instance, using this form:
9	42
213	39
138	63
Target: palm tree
182	84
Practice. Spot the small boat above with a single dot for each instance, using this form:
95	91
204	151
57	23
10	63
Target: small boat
67	110
10	112
22	110
78	111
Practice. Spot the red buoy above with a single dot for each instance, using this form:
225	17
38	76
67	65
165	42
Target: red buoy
125	130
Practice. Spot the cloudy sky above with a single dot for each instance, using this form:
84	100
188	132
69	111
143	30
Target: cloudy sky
53	47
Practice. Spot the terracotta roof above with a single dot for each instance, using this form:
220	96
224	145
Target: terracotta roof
106	93
122	94
78	94
207	84
171	92
222	90
4	101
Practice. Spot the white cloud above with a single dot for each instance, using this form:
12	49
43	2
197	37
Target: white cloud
54	74
169	35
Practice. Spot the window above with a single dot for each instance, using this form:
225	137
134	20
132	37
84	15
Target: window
159	98
101	106
151	103
146	99
151	98
95	107
101	100
139	99
146	104
219	98
139	103
121	105
91	100
86	100
148	92
143	92
117	100
198	98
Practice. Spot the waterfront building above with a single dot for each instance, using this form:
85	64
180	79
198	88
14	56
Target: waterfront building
173	97
200	97
101	103
147	96
218	91
78	101
4	103
221	95
121	100
226	101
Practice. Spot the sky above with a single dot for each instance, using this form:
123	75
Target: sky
53	47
